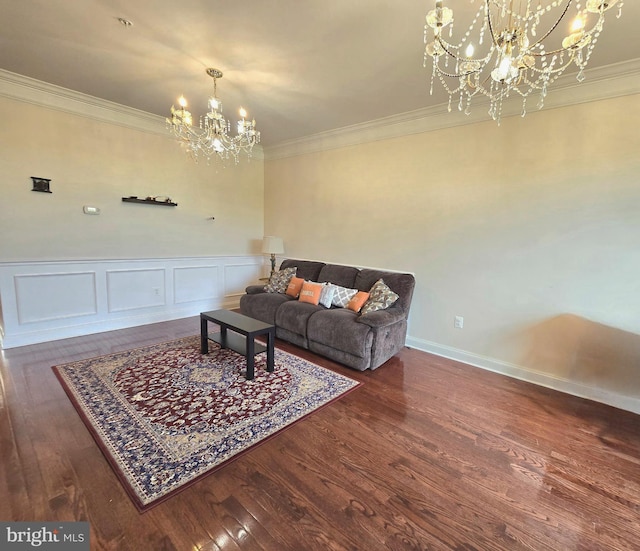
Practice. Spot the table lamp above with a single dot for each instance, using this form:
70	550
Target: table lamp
273	246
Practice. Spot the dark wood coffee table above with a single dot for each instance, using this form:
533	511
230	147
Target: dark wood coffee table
240	338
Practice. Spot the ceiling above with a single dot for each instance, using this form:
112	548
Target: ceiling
298	66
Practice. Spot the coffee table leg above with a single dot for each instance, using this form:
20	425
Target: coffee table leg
250	358
270	344
204	337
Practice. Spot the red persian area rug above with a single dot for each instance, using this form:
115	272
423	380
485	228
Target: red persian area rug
166	415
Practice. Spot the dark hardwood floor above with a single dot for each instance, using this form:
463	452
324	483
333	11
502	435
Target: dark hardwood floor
427	454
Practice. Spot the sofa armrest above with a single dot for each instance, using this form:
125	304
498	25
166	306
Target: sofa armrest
255	289
382	318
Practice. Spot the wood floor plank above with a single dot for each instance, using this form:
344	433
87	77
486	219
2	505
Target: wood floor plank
429	454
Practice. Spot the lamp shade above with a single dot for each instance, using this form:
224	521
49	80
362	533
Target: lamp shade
272	245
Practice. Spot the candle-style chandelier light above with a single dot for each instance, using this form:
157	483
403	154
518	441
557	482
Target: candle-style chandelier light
212	136
512	47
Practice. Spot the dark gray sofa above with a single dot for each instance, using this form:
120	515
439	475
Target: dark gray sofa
358	341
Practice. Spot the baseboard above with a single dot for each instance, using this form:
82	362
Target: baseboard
627	403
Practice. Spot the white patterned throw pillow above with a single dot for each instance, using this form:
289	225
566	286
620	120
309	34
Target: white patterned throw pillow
326	297
279	281
342	296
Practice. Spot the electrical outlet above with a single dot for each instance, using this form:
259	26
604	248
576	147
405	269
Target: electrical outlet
156	291
458	322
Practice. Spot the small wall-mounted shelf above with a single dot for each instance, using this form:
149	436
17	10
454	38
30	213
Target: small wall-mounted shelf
167	203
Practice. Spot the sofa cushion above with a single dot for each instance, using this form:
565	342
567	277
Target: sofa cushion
306	269
380	297
340	275
339	328
294	315
263	306
279	280
382	318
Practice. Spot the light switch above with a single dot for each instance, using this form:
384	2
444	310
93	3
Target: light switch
91	210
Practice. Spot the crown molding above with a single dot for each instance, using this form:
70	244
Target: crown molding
36	92
50	96
619	79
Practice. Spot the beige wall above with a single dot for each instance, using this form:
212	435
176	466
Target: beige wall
96	163
530	230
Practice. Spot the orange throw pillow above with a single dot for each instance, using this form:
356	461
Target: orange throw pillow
357	302
294	287
310	292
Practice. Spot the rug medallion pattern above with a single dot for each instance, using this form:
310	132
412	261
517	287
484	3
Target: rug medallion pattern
165	415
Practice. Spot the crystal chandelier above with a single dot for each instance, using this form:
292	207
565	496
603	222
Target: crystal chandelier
212	136
511	48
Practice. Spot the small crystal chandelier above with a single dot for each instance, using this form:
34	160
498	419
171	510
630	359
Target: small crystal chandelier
212	136
509	48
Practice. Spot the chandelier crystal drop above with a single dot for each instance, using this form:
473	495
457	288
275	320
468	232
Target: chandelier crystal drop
512	48
212	136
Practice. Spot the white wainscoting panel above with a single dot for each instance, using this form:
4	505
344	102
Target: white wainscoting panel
133	289
49	300
44	297
193	283
238	276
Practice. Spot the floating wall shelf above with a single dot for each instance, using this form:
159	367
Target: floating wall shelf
149	201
